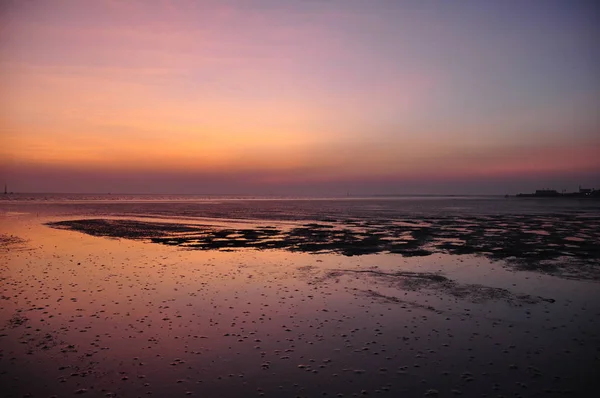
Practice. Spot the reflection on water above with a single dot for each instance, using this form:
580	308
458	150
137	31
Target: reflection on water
289	208
123	317
506	237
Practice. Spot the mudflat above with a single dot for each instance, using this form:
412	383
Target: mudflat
120	304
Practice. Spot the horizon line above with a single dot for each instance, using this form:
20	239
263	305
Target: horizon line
341	195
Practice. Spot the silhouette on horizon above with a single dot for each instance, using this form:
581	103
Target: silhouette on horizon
552	193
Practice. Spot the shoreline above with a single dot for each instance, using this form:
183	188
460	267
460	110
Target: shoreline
113	314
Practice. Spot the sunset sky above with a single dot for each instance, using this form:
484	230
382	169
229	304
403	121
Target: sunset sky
299	96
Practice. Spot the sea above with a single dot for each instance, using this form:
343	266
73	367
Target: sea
292	207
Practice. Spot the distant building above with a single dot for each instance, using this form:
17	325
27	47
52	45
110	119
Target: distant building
546	192
552	193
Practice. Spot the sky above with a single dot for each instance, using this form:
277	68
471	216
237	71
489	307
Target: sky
315	97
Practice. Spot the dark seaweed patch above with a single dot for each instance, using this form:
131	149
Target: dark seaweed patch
122	228
12	242
561	244
423	280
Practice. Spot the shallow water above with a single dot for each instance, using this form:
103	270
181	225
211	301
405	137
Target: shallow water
110	316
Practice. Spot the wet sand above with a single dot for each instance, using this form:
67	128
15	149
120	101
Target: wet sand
561	244
434	306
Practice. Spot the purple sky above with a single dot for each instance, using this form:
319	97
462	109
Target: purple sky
299	96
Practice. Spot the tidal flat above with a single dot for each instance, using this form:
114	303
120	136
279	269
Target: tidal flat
137	299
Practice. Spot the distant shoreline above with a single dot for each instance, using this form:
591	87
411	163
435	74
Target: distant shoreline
552	194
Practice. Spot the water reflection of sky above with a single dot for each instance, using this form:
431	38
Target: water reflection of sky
128	317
